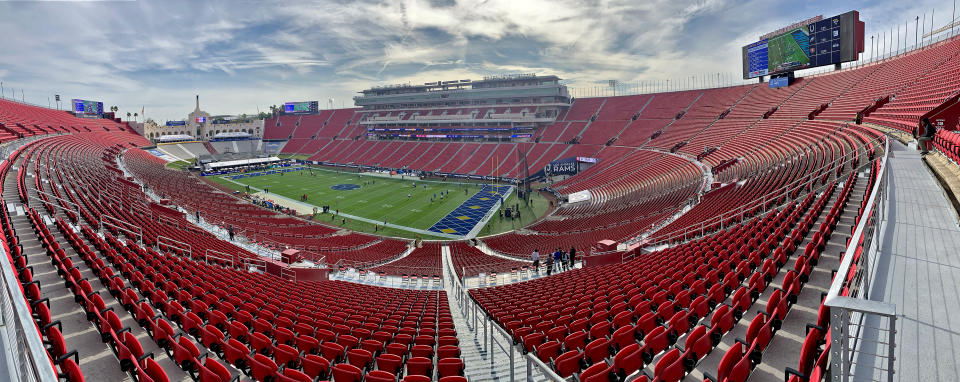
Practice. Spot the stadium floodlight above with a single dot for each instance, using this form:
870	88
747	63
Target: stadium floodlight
916	35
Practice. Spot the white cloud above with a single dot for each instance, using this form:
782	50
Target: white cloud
243	54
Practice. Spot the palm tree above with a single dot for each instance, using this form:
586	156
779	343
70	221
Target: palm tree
128	115
135	116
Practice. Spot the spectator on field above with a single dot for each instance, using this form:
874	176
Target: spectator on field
929	131
573	257
536	260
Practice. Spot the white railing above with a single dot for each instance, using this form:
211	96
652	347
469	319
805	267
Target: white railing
26	357
76	207
122	226
485	276
863	331
221	256
175	244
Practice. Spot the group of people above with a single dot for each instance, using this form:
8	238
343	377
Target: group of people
558	261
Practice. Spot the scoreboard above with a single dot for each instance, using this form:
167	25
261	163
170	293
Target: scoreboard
817	42
308	107
85	108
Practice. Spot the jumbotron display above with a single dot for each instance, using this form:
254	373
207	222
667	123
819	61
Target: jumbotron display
815	42
85	108
308	107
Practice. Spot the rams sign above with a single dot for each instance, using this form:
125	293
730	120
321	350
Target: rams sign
561	167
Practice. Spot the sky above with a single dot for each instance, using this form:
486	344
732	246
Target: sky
242	56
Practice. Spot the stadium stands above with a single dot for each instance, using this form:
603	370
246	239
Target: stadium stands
738	189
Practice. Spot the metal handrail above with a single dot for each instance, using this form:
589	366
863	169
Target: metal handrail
854	310
166	241
547	371
26	358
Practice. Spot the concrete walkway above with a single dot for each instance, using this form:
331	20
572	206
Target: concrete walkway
919	272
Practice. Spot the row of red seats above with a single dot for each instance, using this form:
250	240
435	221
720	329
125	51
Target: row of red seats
19	120
745	355
674	292
814	354
47	328
948	143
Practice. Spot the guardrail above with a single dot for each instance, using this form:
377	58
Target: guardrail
105	221
76	207
398	276
481	276
26	357
494	339
221	256
863	331
163	241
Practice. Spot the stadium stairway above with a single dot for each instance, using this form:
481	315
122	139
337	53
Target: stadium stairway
477	360
96	357
97	360
784	348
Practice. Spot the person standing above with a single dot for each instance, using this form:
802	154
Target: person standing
564	260
536	261
557	255
549	265
573	257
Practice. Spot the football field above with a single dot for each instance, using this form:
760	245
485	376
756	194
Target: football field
403	202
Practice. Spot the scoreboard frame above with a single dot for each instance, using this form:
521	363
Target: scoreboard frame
301	107
80	107
816	42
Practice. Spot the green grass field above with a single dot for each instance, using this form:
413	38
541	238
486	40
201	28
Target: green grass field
378	199
179	165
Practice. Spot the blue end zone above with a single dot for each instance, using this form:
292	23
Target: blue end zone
466	216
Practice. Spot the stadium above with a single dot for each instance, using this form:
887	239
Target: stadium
797	224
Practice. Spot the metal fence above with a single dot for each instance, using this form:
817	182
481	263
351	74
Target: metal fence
863	331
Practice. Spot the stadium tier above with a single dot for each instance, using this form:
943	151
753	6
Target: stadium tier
715	220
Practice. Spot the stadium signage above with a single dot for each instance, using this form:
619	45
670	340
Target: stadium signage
811	43
587	160
176	123
779	82
561	167
87	108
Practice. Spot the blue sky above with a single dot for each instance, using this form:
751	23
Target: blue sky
243	55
